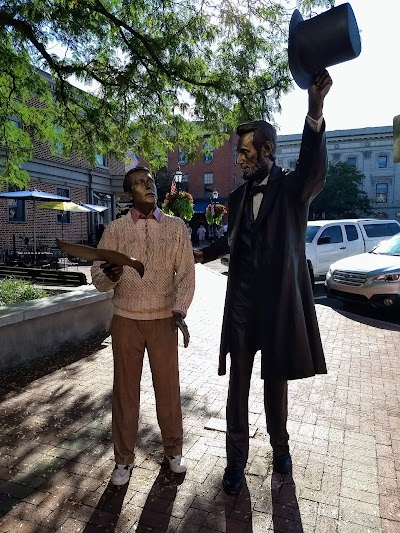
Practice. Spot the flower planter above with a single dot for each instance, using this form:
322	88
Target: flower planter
43	327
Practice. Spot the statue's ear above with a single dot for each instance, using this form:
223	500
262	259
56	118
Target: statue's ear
267	149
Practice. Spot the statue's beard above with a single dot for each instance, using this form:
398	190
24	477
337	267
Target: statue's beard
258	174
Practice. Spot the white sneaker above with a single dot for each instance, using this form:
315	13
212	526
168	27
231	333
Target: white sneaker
177	464
121	474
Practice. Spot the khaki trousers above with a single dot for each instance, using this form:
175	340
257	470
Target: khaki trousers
129	340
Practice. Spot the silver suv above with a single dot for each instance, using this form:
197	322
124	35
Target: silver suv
372	278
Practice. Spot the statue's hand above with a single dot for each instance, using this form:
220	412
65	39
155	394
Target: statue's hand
198	256
113	272
177	321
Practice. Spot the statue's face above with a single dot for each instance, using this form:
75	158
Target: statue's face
143	190
253	164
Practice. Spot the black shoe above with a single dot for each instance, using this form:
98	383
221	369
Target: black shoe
232	481
282	463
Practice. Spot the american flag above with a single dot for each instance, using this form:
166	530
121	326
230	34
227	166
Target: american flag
173	186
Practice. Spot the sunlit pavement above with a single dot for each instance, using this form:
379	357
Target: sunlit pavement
56	449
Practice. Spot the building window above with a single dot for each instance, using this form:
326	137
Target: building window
182	156
352	161
208	182
16	208
57	145
382	161
101	160
104	200
381	193
63	217
208	153
292	165
235	154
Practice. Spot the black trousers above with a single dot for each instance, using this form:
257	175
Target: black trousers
237	409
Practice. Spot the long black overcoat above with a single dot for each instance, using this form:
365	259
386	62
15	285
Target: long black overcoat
290	341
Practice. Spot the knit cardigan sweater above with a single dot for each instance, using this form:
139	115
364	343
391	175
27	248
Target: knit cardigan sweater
165	249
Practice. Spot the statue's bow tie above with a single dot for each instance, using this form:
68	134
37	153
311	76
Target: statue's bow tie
258	189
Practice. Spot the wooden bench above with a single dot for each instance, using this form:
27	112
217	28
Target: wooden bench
43	276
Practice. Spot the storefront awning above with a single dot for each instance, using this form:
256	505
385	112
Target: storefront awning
200	206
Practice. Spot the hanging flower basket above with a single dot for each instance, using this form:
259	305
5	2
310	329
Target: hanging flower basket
179	204
214	213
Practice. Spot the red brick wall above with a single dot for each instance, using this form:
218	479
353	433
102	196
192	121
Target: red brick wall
47	227
223	167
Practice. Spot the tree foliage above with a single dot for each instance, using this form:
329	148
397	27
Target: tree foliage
162	73
342	196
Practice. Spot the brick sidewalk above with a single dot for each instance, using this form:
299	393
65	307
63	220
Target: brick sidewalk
56	450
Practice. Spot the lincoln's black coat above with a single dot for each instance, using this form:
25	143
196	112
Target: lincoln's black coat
290	340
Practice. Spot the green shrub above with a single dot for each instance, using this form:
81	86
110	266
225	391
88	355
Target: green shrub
14	291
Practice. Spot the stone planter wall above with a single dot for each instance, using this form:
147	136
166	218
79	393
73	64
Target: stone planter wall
43	327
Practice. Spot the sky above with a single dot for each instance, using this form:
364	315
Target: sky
365	90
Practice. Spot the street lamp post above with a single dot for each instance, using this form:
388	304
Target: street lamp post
178	178
214	198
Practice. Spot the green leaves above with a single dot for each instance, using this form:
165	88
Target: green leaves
342	196
162	72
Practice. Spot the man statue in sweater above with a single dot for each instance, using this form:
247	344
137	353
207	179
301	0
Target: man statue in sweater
147	314
269	302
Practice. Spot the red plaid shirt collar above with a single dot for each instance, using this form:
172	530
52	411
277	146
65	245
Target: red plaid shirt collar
154	215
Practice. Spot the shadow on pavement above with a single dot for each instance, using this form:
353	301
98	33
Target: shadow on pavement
285	508
108	509
156	513
238	511
21	376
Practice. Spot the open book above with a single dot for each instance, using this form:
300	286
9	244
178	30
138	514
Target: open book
100	254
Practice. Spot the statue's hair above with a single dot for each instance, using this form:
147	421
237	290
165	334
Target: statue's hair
127	185
263	132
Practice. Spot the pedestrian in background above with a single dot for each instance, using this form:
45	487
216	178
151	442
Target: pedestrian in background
201	234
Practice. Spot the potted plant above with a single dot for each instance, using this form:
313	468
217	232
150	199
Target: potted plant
179	204
214	213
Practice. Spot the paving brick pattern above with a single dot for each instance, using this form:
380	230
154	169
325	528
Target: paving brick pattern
56	450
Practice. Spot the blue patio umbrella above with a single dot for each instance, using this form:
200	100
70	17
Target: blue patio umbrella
34	195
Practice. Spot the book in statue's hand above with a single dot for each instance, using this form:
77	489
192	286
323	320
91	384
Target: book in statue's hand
100	254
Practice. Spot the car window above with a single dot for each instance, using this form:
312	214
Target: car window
311	232
334	232
389	247
351	232
394	228
377	230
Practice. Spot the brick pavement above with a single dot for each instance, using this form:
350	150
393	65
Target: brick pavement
56	450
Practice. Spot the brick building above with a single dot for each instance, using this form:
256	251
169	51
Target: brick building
216	170
74	177
369	149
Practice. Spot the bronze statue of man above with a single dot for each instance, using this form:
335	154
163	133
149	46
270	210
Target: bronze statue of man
269	302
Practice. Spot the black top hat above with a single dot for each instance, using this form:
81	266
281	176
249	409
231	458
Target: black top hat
319	42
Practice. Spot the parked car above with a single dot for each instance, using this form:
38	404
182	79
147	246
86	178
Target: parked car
328	241
372	278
